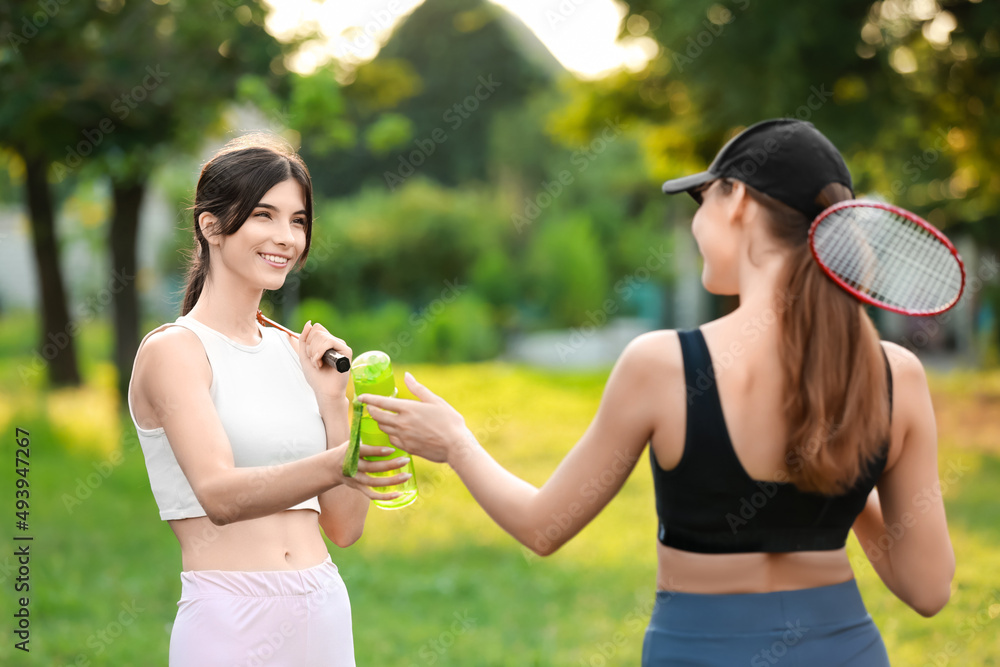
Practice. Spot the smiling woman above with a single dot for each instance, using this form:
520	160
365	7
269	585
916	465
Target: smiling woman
244	431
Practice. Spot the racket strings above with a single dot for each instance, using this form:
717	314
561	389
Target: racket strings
889	258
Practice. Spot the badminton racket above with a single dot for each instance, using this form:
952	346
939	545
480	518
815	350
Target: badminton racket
888	257
331	356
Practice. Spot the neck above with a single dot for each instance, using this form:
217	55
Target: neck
762	299
229	307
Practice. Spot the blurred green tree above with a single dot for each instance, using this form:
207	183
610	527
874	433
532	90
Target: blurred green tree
450	67
113	88
905	88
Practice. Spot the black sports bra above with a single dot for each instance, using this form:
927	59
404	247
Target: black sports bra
709	504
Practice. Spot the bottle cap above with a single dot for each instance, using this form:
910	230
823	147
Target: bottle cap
372	374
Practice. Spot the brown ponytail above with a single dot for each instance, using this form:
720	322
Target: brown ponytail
231	185
196	274
836	394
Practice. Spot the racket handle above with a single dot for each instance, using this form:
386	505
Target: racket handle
337	360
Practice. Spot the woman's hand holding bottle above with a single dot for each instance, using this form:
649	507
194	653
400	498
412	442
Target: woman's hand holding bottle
428	427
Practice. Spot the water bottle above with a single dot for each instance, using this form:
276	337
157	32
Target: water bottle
372	374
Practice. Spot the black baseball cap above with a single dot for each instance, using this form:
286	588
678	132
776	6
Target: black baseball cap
785	158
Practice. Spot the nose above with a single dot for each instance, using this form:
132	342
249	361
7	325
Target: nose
284	234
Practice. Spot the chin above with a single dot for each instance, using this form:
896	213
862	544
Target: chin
718	288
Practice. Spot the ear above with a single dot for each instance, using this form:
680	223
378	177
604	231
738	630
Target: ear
208	224
738	202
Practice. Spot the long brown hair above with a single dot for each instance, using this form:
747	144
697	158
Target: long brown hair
836	394
231	185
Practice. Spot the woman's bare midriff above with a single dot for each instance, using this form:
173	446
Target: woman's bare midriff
688	572
288	540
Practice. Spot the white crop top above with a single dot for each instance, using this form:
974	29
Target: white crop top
267	408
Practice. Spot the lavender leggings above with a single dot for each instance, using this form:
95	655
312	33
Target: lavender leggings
281	618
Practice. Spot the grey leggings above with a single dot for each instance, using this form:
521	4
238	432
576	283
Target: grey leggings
818	627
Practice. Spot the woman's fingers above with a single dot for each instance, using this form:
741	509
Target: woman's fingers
373	450
382	466
419	390
393	480
385	402
383	417
375	495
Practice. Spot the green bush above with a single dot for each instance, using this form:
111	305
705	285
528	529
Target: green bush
567	271
455	327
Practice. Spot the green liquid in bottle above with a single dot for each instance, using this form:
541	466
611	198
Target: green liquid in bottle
372	374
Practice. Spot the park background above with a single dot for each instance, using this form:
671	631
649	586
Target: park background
488	212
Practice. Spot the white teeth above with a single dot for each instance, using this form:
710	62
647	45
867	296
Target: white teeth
274	258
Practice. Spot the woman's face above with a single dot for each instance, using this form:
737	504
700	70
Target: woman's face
718	238
271	240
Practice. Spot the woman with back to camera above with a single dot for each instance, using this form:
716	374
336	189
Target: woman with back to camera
762	463
244	432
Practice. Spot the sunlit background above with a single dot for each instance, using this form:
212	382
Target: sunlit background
582	34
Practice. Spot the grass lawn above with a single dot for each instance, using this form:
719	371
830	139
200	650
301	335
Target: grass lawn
437	583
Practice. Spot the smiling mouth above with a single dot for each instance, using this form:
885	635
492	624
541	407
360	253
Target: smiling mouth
276	261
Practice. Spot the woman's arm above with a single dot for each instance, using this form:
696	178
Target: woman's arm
342	509
174	374
583	483
903	528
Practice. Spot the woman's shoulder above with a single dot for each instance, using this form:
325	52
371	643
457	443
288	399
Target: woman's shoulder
173	352
902	359
654	352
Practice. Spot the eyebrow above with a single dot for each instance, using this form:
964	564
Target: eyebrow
275	208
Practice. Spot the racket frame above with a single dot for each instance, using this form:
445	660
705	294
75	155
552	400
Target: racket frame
912	217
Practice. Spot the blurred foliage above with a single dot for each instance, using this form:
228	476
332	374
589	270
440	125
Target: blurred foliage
539	198
450	67
567	275
905	88
97	81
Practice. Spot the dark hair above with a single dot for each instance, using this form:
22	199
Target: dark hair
231	185
836	393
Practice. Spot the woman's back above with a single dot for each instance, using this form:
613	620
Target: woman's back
748	379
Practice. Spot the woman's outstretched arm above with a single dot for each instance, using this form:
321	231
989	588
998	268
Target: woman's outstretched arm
583	483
